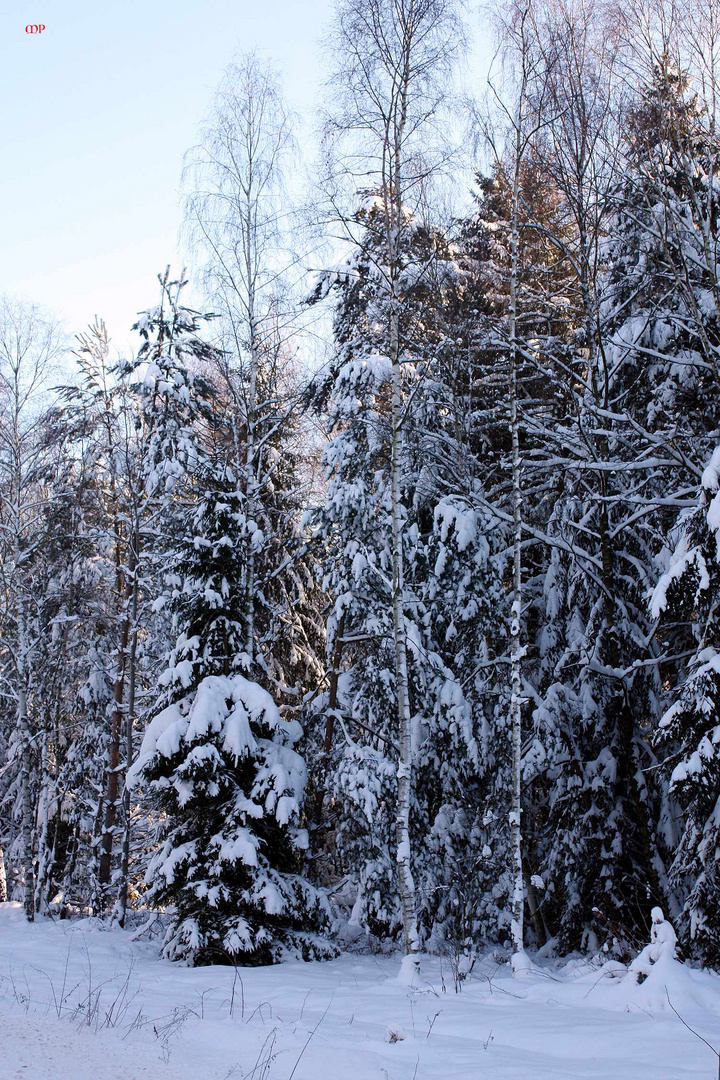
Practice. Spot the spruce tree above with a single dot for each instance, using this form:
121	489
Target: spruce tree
689	731
217	759
452	596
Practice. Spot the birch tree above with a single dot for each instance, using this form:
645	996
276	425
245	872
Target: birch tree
30	348
239	217
524	108
390	62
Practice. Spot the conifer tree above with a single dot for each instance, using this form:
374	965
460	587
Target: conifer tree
241	220
216	758
452	596
689	731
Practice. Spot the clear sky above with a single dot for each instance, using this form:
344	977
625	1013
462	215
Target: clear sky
96	115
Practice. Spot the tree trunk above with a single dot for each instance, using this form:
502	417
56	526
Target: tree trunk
26	802
3	878
45	855
129	722
535	913
27	823
112	779
516	649
123	592
393	208
406	881
250	463
324	764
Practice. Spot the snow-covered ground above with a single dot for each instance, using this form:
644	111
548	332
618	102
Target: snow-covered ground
78	1002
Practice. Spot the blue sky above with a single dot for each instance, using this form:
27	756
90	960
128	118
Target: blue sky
97	113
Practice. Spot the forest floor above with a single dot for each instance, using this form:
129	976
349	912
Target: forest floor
81	1002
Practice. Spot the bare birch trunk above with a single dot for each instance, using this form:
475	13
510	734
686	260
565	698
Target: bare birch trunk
250	466
26	802
112	781
333	680
45	855
516	649
107	812
406	881
3	878
129	722
27	829
25	790
392	196
112	786
525	119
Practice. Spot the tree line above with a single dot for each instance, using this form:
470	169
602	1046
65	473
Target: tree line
379	599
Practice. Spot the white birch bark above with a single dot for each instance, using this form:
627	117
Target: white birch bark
516	648
406	881
3	877
389	61
26	801
251	402
134	570
522	116
44	854
392	198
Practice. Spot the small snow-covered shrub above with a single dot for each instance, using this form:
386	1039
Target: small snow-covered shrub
662	948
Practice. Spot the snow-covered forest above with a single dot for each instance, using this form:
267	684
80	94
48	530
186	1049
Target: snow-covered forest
372	602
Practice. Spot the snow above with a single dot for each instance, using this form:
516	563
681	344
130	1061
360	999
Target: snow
207	712
239	740
409	974
710	476
713	514
164	735
59	980
39	1047
242	847
448	515
680	561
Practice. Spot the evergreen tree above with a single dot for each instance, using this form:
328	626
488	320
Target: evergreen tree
219	762
451	591
217	759
689	731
